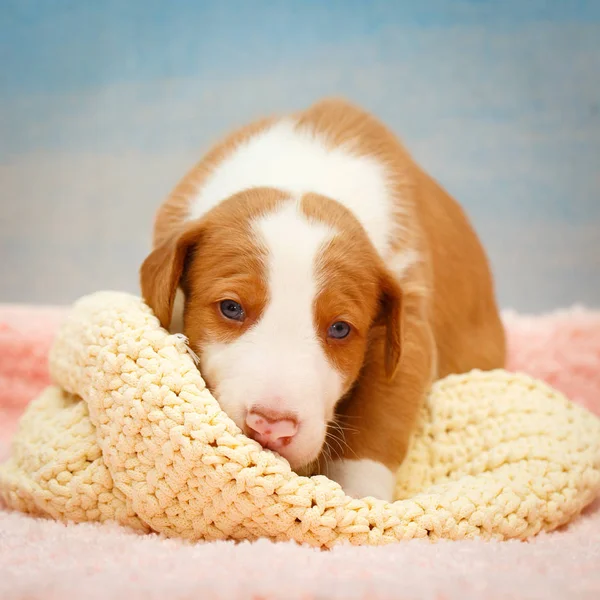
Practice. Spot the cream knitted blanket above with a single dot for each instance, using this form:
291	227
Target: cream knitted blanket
129	433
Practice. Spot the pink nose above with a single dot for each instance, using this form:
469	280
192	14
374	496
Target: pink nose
271	429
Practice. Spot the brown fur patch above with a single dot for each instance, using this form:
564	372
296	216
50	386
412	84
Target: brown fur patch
229	265
213	259
355	288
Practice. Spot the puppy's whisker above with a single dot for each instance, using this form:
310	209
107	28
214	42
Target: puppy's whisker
341	440
343	430
327	452
347	428
335	449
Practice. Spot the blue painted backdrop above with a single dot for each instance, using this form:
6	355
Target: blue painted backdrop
105	104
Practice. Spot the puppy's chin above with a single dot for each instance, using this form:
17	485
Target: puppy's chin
302	455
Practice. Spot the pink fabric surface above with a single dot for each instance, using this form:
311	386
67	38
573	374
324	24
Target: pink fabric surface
48	560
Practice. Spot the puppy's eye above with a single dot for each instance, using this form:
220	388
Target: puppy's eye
232	310
339	330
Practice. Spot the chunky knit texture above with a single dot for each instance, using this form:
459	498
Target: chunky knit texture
129	433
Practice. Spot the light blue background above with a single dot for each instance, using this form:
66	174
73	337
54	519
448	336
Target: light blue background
105	104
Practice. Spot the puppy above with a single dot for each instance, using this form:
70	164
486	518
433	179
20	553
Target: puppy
325	281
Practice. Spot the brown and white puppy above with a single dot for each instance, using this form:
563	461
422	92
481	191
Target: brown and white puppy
325	281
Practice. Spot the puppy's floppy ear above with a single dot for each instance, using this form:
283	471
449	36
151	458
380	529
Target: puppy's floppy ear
391	315
161	272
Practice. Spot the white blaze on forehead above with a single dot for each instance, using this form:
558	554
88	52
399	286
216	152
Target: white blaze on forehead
293	245
299	162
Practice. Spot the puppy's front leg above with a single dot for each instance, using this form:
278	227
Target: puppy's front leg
377	419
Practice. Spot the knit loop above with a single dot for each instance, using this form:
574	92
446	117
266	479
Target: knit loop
128	432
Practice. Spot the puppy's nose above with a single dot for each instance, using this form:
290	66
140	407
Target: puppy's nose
271	429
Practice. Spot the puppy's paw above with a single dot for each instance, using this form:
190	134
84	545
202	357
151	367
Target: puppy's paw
362	478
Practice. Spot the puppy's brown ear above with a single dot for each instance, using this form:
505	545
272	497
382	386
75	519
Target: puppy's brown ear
391	315
161	272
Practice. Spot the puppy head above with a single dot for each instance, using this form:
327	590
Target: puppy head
281	297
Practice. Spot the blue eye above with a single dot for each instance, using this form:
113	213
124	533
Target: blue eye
232	310
339	330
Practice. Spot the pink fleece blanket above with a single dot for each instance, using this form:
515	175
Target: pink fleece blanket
43	559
